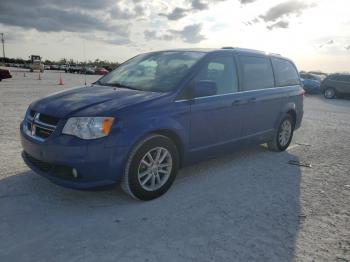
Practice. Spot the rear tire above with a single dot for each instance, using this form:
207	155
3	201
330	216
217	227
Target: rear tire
329	93
151	168
283	135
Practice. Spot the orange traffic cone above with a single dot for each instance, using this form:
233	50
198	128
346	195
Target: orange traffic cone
39	78
61	81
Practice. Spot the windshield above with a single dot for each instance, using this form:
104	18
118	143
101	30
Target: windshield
158	72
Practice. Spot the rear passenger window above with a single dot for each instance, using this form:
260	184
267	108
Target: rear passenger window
222	71
256	72
285	72
333	77
343	78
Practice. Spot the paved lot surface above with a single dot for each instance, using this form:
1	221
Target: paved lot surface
248	206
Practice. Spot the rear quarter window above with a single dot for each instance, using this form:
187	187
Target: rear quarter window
285	72
255	72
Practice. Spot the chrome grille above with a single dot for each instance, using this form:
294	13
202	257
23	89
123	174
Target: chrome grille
39	126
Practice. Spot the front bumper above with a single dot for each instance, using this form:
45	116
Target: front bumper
97	164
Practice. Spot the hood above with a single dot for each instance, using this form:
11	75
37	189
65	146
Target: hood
90	100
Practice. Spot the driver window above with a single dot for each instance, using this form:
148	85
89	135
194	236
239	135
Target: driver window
222	71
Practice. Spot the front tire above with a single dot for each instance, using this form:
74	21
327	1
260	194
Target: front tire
284	134
329	93
151	168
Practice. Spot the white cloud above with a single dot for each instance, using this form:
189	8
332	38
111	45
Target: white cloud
119	29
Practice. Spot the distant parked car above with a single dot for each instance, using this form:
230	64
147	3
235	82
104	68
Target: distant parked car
318	74
47	67
73	69
87	70
311	83
101	71
54	67
62	67
336	85
4	74
311	76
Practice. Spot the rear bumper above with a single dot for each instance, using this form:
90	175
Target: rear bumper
96	164
299	119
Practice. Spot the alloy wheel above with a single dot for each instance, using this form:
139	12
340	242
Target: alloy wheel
285	132
329	93
155	168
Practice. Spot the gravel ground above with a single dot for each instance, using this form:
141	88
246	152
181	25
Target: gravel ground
248	206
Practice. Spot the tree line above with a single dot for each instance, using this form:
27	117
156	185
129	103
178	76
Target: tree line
64	61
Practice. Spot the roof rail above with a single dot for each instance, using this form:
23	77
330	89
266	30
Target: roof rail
250	50
227	47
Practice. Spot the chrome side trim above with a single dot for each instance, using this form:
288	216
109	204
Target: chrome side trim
238	92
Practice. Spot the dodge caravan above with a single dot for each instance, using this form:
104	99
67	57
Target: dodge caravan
158	112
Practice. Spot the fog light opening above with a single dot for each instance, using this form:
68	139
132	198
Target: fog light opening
74	173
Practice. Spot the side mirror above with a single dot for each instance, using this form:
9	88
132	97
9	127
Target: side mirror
203	88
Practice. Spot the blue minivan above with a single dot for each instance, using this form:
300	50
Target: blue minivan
158	112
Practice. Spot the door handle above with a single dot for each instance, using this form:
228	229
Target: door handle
237	102
252	100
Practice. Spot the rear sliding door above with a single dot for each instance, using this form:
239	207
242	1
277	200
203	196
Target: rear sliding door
262	101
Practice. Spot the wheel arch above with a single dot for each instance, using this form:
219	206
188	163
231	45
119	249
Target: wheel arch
293	114
174	137
289	108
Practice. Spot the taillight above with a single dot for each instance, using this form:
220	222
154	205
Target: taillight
302	94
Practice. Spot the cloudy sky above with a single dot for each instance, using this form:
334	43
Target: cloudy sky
314	33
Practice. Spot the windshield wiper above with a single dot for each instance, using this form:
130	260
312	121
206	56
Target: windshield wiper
120	85
98	82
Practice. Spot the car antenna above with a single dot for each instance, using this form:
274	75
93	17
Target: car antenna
84	54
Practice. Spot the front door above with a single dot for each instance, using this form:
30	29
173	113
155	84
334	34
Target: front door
215	120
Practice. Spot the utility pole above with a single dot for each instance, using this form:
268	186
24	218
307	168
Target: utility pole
3	46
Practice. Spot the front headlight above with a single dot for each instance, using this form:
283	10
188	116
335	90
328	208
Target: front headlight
88	127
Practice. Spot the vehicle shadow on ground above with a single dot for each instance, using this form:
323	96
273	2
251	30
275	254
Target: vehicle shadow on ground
341	101
240	207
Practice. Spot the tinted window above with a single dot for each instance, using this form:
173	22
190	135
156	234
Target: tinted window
222	71
256	72
285	72
343	78
333	77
